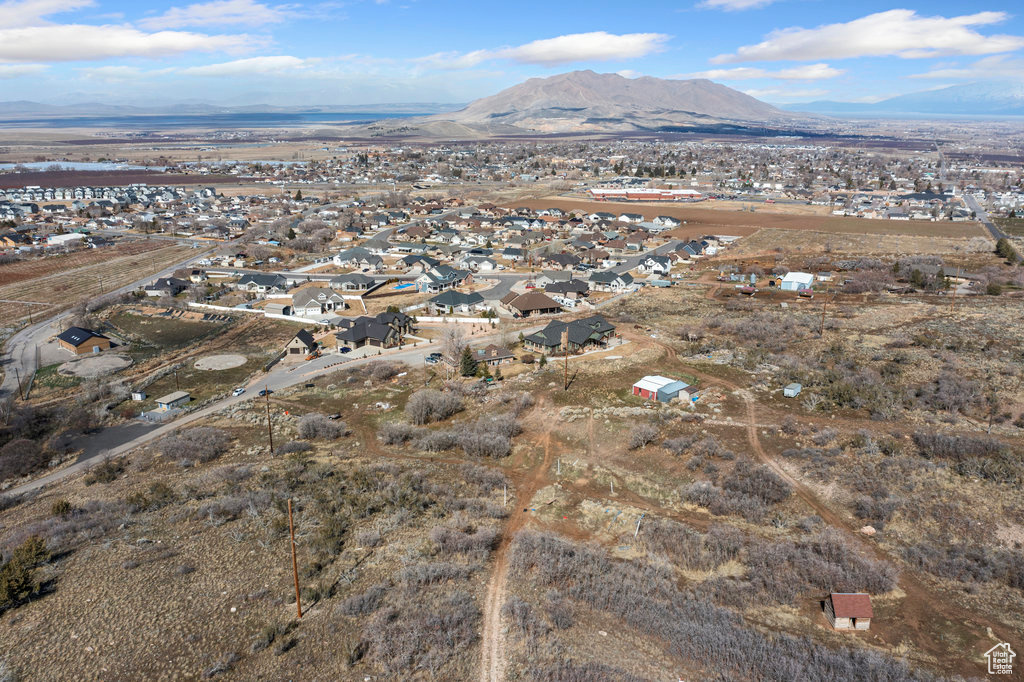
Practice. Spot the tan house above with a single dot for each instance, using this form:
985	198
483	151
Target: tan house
849	610
301	346
82	341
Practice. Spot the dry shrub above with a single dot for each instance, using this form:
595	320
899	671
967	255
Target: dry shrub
318	426
430	405
199	444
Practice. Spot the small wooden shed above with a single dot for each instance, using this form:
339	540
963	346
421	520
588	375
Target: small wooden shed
849	610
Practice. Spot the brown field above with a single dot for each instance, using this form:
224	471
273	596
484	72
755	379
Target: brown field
108	178
744	223
62	281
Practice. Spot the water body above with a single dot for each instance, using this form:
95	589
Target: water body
220	121
79	166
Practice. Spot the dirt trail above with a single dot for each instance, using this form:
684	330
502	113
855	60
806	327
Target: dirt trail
492	654
921	604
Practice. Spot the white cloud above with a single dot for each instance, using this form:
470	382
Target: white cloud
734	5
899	32
808	72
783	93
249	67
8	71
16	13
577	47
997	66
72	42
217	13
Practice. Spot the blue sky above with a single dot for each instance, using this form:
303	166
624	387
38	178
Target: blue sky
355	52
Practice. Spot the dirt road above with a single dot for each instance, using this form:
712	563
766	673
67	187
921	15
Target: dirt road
492	649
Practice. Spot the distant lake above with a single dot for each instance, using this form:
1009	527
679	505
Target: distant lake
79	166
164	122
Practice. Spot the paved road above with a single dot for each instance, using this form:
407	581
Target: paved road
21	348
122	439
982	214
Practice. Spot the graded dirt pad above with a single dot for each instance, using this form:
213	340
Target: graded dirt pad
94	365
703	218
228	361
770	241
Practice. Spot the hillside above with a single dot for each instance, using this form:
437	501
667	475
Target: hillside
584	101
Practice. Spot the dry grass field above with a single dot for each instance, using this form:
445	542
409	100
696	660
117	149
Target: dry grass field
638	541
63	281
703	218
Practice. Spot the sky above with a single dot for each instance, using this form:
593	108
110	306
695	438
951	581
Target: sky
235	52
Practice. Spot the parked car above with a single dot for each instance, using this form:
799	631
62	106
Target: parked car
345	349
431	361
238	391
265	392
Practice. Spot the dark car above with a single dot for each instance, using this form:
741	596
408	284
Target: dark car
345	349
265	392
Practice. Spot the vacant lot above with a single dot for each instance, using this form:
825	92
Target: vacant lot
812	241
62	281
707	219
108	178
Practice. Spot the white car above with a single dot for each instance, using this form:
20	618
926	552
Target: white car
238	391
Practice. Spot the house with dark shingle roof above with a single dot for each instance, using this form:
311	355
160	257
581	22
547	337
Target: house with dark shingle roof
608	280
530	303
584	334
300	346
573	288
452	301
386	330
81	341
262	284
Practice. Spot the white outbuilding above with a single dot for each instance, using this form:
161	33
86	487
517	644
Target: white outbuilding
795	281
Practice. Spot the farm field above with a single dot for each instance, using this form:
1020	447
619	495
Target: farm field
61	282
85	178
706	220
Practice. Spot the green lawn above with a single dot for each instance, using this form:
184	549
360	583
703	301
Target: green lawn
50	378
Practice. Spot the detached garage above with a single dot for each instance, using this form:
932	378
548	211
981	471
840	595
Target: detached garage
661	389
82	341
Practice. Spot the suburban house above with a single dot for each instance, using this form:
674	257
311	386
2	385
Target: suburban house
583	335
530	303
301	345
166	286
479	263
849	610
353	281
667	221
493	355
453	301
441	278
359	257
562	260
610	281
81	341
197	277
655	265
314	301
661	389
368	331
572	289
262	284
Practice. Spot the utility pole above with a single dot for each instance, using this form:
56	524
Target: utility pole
18	377
295	561
176	386
270	424
956	282
824	306
29	306
565	344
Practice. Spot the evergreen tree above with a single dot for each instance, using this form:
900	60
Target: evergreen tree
467	364
298	195
497	374
543	360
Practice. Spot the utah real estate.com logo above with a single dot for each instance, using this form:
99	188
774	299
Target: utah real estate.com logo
1000	659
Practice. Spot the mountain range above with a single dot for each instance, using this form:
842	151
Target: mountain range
988	99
